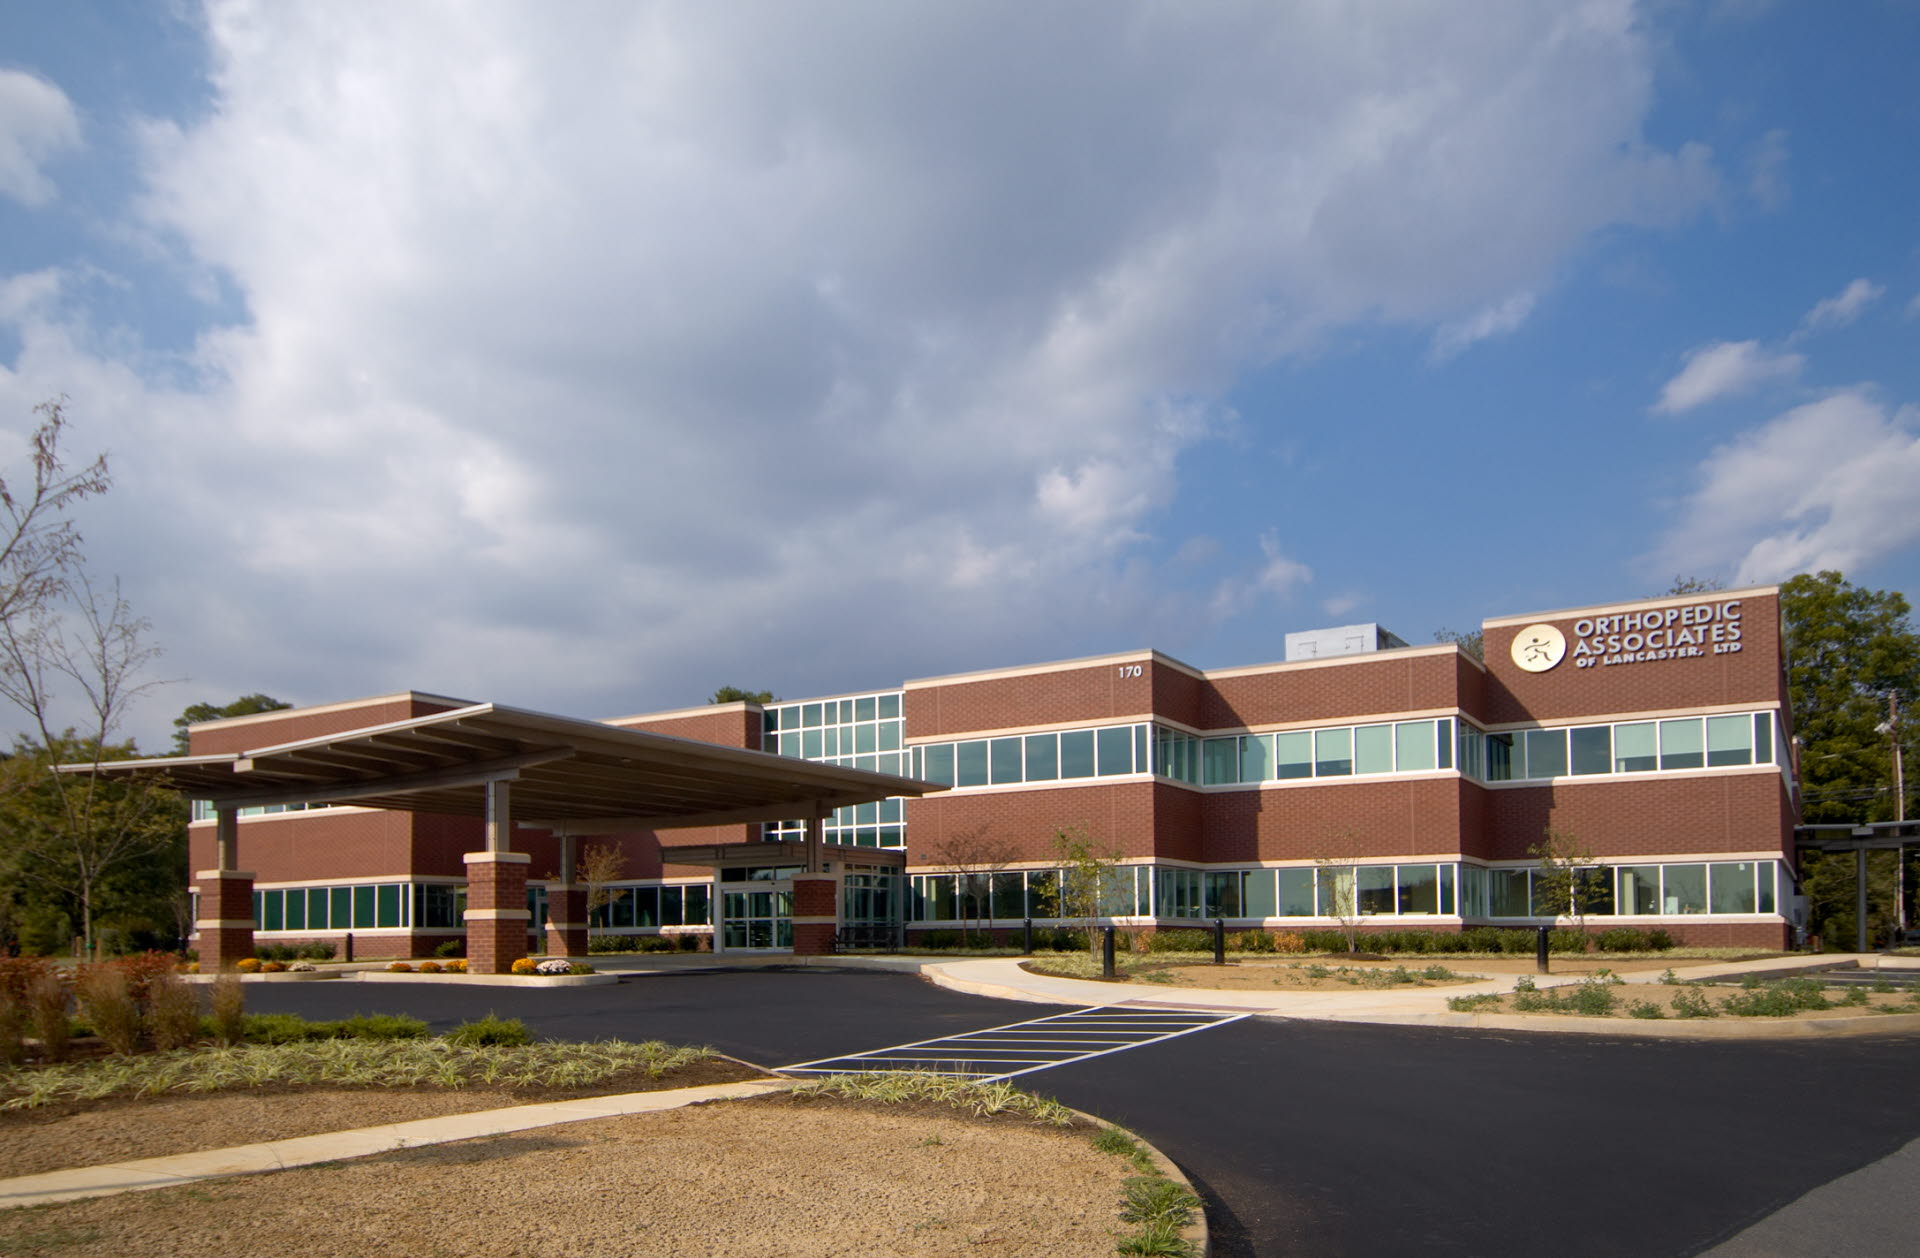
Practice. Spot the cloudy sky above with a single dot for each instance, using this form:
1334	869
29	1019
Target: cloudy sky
589	356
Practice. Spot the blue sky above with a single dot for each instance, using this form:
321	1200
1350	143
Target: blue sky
589	358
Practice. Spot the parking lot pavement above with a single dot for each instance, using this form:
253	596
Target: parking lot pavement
1318	1138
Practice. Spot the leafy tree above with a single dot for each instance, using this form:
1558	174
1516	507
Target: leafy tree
733	694
245	705
601	864
60	632
1849	650
1474	643
1088	867
1569	877
975	859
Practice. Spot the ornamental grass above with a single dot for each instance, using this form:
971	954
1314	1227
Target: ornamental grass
430	1063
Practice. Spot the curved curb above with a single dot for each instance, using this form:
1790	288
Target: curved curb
1724	1028
1196	1233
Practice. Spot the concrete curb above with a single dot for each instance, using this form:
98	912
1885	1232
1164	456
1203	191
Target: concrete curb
1725	1027
488	980
1196	1233
278	1155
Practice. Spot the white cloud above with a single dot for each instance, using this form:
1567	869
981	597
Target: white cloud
592	355
37	122
1767	171
1843	307
1496	320
1724	369
1341	604
1826	485
1278	576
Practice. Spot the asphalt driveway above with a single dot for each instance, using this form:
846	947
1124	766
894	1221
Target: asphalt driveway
1314	1138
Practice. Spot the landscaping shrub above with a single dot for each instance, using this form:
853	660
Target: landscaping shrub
317	952
457	966
524	965
692	943
1289	941
1628	939
247	965
580	967
380	1026
273	967
553	967
229	1009
429	967
106	1002
1693	1003
401	967
1250	941
48	1002
451	948
1592	996
1778	1000
173	1012
491	1032
17	978
1180	941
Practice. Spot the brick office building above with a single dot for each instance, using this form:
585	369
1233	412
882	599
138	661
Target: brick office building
1406	781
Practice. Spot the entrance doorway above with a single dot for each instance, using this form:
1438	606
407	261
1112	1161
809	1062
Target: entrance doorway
756	917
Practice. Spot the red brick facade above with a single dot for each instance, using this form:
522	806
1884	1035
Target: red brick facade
1683	663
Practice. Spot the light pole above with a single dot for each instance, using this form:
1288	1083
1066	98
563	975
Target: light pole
1891	728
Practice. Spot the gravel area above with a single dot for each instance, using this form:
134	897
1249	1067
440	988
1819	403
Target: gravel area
770	1178
125	1129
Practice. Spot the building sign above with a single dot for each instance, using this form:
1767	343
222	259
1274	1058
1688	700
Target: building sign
1538	648
1665	633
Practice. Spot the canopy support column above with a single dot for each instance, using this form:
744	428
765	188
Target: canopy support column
567	904
225	920
497	917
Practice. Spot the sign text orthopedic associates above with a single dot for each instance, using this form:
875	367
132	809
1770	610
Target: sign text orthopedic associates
1667	633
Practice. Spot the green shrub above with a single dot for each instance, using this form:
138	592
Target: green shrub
229	1009
1624	939
1693	1003
1659	941
1778	1000
1180	941
49	1002
1155	1199
453	948
382	1026
1473	1004
491	1032
107	1003
173	1012
1592	996
1251	941
280	1028
1645	1009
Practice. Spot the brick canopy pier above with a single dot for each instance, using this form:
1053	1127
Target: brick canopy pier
507	766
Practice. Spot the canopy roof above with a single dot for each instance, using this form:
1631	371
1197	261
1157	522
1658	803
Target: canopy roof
580	776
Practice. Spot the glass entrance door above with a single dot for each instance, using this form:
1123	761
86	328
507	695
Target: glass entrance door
757	918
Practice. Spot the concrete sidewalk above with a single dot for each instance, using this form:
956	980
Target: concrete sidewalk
276	1155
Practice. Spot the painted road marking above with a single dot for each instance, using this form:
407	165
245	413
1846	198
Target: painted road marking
1022	1047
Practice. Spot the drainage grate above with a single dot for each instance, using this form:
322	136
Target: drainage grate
1022	1047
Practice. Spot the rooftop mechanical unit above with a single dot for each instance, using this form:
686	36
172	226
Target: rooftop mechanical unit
1320	644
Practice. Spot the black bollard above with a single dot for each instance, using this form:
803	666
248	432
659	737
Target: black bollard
1540	950
1026	936
349	955
1106	953
1219	941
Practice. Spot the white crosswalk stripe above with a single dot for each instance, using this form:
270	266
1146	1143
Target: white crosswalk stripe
1023	1047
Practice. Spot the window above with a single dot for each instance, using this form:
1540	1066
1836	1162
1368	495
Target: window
1729	740
1296	892
1293	755
1116	750
1222	761
1332	753
1546	753
1592	750
1680	744
1684	889
1076	754
1043	757
1374	888
1420	888
1634	748
970	761
1415	746
1256	894
1508	893
1731	885
1256	758
1003	761
1373	749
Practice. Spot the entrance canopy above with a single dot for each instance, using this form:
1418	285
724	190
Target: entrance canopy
577	777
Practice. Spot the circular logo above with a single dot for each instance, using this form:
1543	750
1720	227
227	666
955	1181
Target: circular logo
1538	648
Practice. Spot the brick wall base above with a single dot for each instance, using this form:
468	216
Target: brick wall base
497	916
566	920
225	919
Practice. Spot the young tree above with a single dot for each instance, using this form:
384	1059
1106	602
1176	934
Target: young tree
600	865
245	705
1337	884
975	859
1567	876
1086	869
39	545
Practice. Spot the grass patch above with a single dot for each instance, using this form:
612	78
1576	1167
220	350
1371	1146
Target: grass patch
981	1100
367	1063
1486	1002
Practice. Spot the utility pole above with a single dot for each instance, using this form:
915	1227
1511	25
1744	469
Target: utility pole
1891	728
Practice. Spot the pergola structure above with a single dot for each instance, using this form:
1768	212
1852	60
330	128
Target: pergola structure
508	765
1894	836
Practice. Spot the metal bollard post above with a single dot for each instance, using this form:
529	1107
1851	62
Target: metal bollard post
1106	953
1219	941
1540	949
349	955
1026	936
